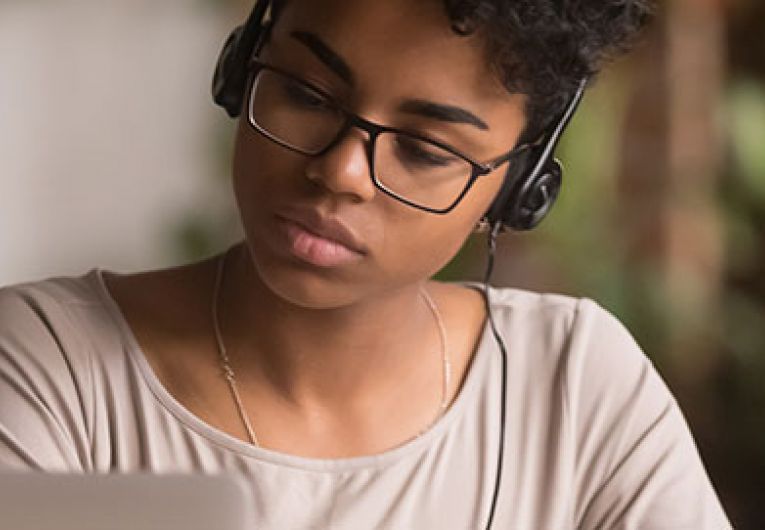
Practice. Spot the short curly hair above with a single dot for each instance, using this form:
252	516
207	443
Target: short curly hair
545	48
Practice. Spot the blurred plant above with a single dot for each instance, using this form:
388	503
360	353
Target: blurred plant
742	386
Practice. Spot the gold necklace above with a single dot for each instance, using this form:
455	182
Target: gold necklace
228	371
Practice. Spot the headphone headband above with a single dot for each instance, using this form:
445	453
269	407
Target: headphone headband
560	125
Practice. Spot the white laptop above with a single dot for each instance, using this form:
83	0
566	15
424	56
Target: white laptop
36	501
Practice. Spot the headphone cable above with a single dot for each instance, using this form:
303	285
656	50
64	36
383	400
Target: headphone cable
492	240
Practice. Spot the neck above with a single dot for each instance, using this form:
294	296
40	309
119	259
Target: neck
325	357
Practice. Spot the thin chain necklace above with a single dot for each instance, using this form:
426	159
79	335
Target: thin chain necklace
228	371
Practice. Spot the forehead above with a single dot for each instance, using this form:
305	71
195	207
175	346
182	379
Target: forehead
398	46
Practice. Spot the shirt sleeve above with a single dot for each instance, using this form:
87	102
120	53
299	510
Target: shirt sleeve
42	417
637	466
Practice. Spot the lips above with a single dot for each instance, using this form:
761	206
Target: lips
319	240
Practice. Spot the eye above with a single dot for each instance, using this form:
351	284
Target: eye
302	95
421	153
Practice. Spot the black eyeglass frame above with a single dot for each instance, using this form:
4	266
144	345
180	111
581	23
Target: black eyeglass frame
374	130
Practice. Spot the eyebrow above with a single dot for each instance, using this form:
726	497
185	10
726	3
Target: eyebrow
429	109
439	111
326	55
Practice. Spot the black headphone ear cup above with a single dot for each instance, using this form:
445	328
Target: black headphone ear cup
525	199
231	72
230	76
536	198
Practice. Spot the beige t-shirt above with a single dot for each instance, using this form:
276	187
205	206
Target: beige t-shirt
594	438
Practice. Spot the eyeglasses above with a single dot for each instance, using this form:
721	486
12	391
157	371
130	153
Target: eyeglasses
416	170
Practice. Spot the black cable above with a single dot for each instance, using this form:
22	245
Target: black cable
496	228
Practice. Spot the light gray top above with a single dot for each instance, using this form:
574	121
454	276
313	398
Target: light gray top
594	438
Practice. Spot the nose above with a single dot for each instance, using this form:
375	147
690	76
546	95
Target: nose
345	168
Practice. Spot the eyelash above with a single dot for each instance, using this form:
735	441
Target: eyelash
419	155
299	90
300	94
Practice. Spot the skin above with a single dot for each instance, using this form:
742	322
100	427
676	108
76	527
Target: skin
342	361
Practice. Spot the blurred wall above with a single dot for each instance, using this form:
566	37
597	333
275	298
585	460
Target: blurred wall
105	131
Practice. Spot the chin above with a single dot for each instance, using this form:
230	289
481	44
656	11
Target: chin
305	285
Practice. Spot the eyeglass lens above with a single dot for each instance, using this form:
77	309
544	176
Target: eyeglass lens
298	117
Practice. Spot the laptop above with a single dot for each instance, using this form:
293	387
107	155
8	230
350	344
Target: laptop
37	501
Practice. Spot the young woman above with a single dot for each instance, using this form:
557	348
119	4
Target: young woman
316	357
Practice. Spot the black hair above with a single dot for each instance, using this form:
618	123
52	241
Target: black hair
545	48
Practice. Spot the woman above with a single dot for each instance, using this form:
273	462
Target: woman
316	358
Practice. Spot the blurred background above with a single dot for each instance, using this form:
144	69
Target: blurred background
112	155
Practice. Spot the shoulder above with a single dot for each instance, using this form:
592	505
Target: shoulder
521	308
623	435
563	328
38	316
47	329
55	332
573	353
35	293
45	372
545	307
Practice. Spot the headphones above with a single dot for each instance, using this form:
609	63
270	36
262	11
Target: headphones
533	179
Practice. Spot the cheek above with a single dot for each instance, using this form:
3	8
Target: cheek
418	246
263	174
255	157
419	250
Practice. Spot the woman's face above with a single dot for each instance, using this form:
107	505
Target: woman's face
377	58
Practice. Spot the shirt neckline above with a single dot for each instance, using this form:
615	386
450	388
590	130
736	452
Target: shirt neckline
467	393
